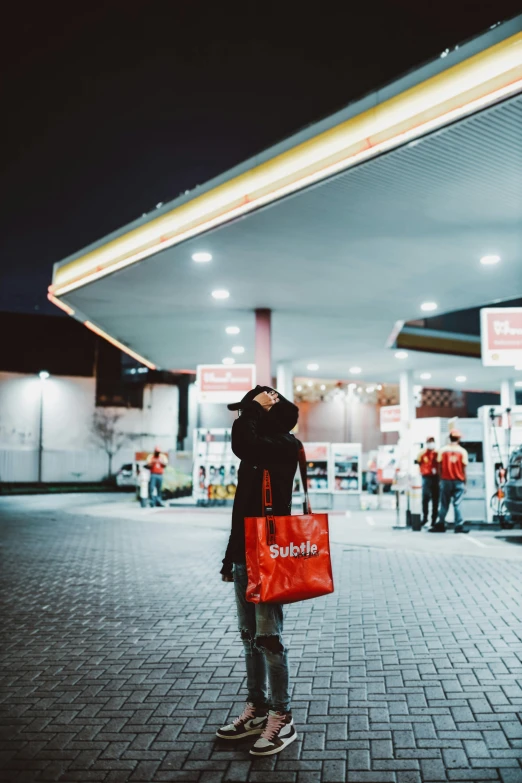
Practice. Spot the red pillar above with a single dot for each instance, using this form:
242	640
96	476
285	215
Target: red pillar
264	347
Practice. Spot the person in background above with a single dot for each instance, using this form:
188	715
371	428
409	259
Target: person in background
262	439
429	468
156	463
143	484
453	460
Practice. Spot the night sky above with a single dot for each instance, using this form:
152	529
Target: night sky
109	110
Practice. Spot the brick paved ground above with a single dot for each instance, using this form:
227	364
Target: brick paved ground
120	657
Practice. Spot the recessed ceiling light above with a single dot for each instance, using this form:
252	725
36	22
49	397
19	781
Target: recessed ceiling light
299	388
232	330
202	257
461	379
379	387
229	360
220	294
425	376
429	306
355	370
238	349
312	367
489	260
310	383
323	387
401	355
43	375
370	389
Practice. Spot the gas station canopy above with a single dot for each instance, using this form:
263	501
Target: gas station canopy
342	231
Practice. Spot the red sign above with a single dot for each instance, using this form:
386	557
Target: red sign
501	336
390	418
218	383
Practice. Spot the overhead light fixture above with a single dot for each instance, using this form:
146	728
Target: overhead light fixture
489	260
425	376
229	360
323	387
401	355
355	370
370	389
299	388
220	294
310	384
232	330
312	367
379	387
238	349
428	307
43	375
461	379
201	258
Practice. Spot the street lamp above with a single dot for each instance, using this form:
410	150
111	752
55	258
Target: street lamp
43	375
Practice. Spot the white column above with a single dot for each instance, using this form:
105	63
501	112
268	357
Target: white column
407	403
507	393
407	397
285	380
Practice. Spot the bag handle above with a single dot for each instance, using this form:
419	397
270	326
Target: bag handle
267	495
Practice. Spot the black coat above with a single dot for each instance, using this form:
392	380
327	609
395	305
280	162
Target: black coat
259	445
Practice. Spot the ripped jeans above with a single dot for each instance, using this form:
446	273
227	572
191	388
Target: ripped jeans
266	659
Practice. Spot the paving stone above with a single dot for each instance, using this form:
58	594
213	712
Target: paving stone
127	676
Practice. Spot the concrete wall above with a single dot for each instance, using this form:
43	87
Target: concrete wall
342	421
71	453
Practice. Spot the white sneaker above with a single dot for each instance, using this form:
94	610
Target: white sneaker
251	721
279	733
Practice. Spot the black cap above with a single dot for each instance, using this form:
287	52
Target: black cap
249	396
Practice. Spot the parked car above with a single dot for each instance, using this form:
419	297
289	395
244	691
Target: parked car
513	488
126	476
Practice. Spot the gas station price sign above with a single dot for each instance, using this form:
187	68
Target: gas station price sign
501	336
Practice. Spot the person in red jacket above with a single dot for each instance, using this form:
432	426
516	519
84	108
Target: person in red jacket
429	469
156	463
453	460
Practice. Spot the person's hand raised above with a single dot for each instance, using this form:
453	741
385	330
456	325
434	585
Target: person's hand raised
267	399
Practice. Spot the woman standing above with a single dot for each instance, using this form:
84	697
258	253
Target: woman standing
262	440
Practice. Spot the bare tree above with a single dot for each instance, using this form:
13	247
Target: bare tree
106	434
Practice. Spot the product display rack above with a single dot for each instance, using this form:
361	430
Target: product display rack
317	469
345	467
215	467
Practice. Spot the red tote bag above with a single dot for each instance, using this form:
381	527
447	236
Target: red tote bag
287	557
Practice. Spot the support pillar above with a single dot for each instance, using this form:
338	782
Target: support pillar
264	347
407	399
285	380
507	393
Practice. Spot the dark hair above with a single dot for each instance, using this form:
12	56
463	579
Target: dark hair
430	440
454	438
